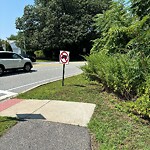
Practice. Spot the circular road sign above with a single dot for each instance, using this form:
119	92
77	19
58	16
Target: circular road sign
64	57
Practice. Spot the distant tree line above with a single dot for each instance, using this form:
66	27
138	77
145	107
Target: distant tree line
1	47
4	45
57	25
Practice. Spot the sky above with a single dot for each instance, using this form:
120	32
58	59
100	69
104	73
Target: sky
10	10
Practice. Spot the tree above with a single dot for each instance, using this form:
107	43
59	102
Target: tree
1	45
8	47
140	7
112	28
4	45
122	32
60	24
12	37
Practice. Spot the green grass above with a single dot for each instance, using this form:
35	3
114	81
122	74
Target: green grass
6	123
43	60
111	128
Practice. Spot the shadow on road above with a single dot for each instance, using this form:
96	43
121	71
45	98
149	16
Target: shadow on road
16	72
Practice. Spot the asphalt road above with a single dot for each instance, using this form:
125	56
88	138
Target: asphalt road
18	82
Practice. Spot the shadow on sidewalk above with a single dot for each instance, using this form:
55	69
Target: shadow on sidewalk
30	116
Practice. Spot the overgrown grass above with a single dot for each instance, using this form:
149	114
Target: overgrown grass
111	128
6	123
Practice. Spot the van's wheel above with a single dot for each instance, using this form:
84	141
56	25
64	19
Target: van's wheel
27	67
1	70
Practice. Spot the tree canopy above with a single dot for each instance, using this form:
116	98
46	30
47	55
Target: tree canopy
1	45
12	37
140	7
59	24
121	31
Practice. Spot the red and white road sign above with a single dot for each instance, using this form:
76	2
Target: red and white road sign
64	57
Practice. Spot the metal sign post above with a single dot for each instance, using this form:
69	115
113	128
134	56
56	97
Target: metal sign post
64	59
63	75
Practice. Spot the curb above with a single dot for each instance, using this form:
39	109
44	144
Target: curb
56	79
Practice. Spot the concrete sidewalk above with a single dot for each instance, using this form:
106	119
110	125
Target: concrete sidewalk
74	113
47	125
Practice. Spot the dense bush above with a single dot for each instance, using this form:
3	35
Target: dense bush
142	105
123	38
120	56
124	76
117	72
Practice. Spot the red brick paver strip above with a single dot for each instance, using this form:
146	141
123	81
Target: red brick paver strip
8	103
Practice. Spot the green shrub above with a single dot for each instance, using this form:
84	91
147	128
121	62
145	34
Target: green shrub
117	72
39	54
141	106
126	73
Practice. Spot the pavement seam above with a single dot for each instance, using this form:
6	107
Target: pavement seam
37	109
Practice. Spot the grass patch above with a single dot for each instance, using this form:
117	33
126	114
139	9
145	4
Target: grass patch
43	60
6	123
112	129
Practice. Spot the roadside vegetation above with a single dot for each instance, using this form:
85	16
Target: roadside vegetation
117	75
116	79
110	127
43	60
120	56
